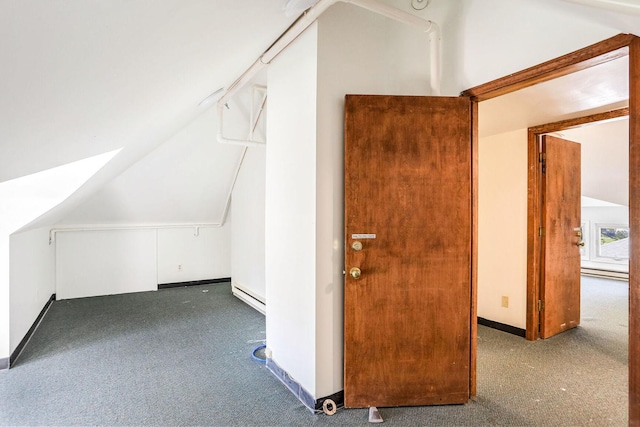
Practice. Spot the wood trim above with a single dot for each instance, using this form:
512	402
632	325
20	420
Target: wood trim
634	225
533	236
534	260
579	121
607	50
604	51
474	250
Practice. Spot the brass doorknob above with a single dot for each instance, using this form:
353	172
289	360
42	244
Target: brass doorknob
580	243
355	272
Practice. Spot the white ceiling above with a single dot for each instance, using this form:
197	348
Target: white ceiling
601	88
605	146
81	78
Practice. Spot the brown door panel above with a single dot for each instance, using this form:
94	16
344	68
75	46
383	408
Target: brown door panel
407	317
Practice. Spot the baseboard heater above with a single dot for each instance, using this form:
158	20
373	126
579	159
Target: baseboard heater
249	297
605	274
193	283
16	353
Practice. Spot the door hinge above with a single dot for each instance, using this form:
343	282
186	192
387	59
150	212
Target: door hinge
540	305
541	231
542	159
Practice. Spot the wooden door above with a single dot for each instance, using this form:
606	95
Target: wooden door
560	278
408	250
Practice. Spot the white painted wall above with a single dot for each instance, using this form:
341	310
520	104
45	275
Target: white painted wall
22	200
105	262
186	180
290	210
184	256
32	279
605	160
502	227
91	263
359	52
248	224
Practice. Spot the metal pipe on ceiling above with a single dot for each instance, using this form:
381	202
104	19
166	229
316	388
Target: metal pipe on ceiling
302	23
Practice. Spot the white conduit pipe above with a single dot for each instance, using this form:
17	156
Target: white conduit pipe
97	227
303	22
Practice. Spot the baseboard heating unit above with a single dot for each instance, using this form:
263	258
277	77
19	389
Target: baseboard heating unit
249	297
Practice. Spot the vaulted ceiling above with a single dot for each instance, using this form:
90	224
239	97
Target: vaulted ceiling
85	77
81	78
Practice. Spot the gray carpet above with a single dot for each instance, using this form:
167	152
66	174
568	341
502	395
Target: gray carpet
182	357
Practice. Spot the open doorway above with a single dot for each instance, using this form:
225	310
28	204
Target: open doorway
622	46
602	224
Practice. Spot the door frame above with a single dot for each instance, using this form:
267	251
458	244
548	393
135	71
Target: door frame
599	53
534	282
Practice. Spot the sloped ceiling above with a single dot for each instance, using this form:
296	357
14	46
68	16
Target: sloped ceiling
605	146
85	77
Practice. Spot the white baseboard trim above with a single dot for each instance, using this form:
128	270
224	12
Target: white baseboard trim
248	297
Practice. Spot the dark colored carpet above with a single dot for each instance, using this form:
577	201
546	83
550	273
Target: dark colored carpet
183	357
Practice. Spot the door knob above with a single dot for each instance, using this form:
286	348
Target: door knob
580	243
355	272
356	246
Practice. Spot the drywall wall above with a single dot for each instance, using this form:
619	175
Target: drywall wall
32	279
91	263
502	228
248	222
198	253
104	262
605	160
186	180
290	211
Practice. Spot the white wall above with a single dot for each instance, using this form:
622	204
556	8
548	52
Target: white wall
359	52
605	160
91	263
248	224
290	210
184	256
32	279
104	262
502	227
186	180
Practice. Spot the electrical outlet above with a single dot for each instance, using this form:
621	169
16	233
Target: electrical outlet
505	302
179	267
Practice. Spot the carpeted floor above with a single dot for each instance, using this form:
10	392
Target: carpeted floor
182	357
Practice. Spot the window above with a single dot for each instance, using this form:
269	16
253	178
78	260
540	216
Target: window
612	243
